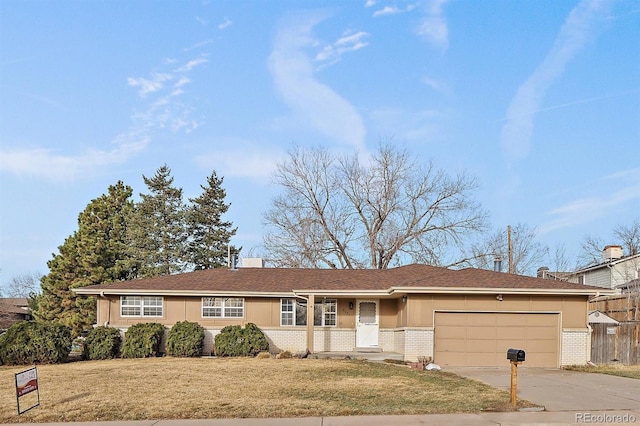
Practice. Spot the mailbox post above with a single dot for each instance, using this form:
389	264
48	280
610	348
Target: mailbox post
515	356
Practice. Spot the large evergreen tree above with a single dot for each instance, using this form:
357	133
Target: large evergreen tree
157	232
209	235
96	253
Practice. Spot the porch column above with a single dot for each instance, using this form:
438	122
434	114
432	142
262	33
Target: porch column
310	316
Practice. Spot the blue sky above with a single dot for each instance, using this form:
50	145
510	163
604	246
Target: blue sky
539	100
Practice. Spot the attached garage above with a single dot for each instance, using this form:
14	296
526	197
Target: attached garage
482	338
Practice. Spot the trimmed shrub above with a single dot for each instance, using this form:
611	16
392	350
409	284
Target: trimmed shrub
143	340
102	343
229	341
254	340
185	339
234	340
32	342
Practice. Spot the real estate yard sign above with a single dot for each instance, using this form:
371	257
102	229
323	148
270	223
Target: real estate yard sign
26	383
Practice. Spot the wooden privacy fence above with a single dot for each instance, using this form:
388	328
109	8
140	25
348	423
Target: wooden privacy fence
621	307
616	343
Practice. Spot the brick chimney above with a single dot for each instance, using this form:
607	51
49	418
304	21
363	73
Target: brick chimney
610	253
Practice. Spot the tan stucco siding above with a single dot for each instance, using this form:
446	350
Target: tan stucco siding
102	314
421	308
346	315
418	311
388	313
264	312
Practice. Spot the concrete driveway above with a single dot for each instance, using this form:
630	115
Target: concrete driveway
561	390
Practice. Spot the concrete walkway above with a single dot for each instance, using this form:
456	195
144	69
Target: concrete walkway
607	417
562	390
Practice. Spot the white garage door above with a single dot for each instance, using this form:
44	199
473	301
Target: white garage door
482	338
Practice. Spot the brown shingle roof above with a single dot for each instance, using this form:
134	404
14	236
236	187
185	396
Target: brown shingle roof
14	305
271	280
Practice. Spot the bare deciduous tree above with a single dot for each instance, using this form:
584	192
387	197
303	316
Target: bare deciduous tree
591	250
560	261
629	237
340	213
22	285
526	253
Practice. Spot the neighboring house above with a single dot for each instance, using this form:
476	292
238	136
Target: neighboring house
13	310
597	317
457	317
545	273
614	271
632	286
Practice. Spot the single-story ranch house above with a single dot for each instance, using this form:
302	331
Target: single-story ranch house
467	317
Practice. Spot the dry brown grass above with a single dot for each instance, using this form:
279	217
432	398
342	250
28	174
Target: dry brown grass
631	371
175	388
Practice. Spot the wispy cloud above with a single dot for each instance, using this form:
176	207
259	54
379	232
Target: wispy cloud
349	42
572	103
418	127
437	85
387	10
225	24
434	28
162	110
198	45
392	10
312	101
190	65
151	85
614	192
579	26
52	165
241	158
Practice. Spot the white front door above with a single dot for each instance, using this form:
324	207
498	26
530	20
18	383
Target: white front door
367	324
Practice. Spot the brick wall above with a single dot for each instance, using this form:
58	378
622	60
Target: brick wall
576	347
334	339
418	342
398	341
386	339
283	339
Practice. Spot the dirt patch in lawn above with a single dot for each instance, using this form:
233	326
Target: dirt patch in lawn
176	388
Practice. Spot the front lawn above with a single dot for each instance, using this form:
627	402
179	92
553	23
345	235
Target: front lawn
200	388
631	371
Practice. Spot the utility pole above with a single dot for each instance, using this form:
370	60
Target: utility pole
509	249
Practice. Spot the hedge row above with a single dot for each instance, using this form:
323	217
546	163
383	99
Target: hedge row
30	342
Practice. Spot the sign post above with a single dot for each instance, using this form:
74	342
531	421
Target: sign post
27	382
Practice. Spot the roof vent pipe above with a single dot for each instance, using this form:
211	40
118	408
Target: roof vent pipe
497	264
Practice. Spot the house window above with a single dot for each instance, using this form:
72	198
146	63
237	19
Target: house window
294	312
141	306
287	309
222	307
